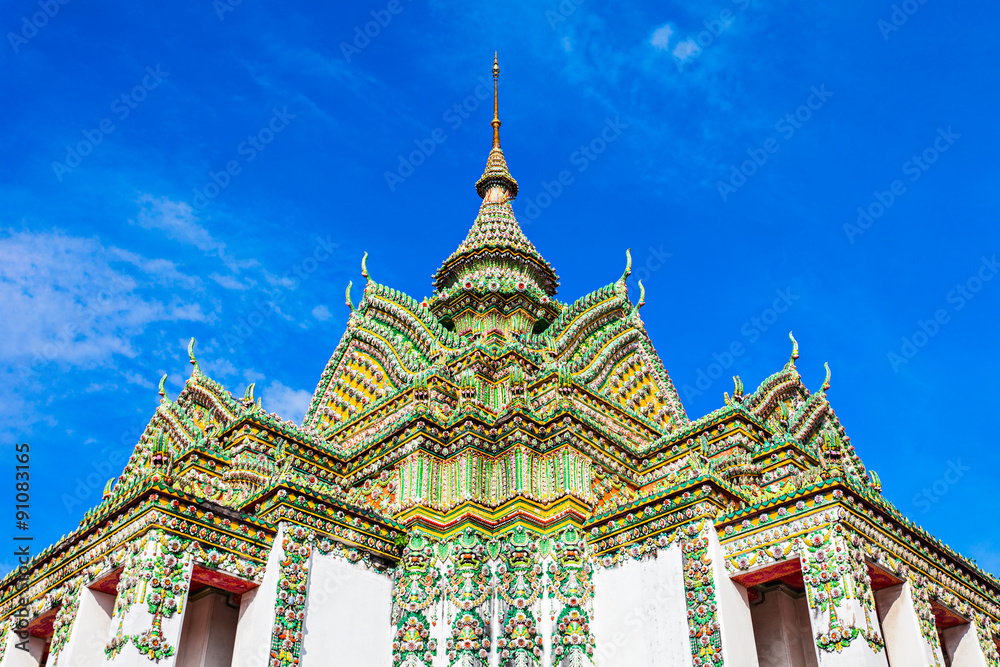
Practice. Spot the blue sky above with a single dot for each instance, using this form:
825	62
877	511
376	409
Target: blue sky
217	171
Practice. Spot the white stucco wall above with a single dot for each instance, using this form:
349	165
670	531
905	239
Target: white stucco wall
348	609
252	647
640	613
90	631
809	648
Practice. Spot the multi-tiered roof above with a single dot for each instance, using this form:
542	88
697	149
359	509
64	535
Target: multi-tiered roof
493	407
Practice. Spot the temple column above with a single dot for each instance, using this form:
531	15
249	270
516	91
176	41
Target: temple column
209	631
842	607
440	619
963	645
735	625
416	600
19	657
782	630
256	624
905	640
149	610
568	607
639	616
547	622
519	594
348	612
88	633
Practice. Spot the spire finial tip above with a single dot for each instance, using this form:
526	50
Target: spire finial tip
496	112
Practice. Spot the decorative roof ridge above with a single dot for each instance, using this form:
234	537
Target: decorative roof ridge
584	304
419	310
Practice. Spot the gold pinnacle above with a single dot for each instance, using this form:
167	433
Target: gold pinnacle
496	112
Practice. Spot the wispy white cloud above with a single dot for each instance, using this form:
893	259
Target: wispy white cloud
251	375
136	378
178	221
322	313
231	282
286	402
218	368
163	271
61	299
661	37
275	280
686	49
100	387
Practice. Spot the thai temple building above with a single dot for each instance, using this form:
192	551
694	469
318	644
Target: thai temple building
492	477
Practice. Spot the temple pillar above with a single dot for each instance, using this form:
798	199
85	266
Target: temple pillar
782	630
18	657
547	622
147	620
209	631
348	612
494	626
417	606
962	646
733	615
252	647
905	640
89	631
567	608
842	608
639	612
519	593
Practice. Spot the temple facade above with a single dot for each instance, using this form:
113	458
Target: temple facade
491	477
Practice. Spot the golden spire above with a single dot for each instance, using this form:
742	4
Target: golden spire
496	113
